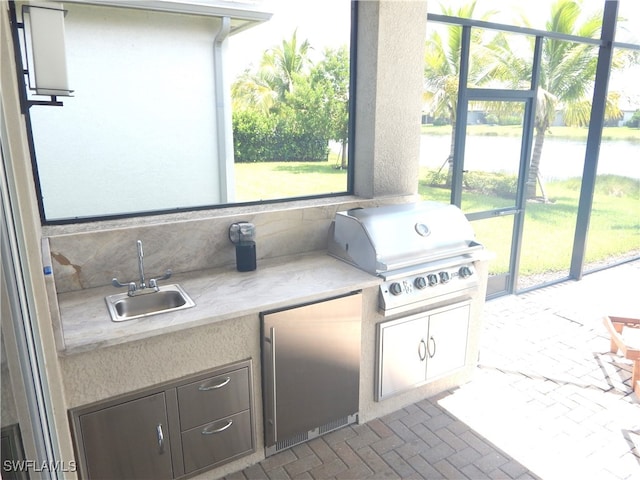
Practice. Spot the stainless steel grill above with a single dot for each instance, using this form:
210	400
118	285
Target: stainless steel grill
423	251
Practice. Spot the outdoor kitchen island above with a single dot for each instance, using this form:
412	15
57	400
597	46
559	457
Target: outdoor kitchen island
104	362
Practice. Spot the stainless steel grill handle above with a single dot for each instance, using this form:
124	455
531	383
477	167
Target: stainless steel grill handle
422	350
160	435
206	388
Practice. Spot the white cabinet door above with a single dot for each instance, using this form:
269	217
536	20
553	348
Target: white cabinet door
402	355
447	341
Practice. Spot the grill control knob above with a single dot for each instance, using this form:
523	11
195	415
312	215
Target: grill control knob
432	278
420	283
395	288
465	272
444	277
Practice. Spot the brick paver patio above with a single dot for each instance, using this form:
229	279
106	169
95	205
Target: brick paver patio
548	401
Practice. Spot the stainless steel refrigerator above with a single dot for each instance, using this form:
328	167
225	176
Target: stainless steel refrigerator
310	370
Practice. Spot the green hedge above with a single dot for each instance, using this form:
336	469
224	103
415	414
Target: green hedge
634	121
260	138
488	183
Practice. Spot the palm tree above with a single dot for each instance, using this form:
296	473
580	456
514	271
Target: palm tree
251	91
280	67
442	68
290	97
566	77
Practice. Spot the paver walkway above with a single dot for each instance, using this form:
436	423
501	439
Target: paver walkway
548	401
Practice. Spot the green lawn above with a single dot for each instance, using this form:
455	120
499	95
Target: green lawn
549	228
273	180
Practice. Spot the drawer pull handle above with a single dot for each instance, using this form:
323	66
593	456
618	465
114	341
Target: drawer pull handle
204	388
206	431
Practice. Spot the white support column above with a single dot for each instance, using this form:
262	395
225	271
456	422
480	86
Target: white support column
390	57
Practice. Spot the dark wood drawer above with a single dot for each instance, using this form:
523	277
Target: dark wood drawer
214	442
213	398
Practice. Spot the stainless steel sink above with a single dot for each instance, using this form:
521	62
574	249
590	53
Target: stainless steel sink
168	299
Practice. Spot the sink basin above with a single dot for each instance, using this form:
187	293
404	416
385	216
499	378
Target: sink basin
169	299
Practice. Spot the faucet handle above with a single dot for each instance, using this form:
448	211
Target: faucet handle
131	286
166	275
117	284
153	283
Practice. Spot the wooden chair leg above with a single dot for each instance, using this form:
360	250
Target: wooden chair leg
618	328
614	326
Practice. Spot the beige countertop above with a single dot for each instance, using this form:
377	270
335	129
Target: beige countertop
220	294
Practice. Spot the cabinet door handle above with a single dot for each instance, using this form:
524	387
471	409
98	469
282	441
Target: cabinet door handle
207	430
160	438
432	340
422	347
206	388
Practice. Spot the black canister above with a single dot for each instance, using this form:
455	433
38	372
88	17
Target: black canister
246	256
242	235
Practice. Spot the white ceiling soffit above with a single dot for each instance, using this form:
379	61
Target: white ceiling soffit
243	14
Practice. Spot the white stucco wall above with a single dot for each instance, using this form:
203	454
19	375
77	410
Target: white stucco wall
139	134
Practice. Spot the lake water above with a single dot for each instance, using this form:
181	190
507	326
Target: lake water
561	158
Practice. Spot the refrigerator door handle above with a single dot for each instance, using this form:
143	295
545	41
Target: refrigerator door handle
274	420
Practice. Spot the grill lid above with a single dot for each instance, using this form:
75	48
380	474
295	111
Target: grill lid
381	239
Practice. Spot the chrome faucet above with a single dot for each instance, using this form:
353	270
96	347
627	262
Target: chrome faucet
141	264
132	287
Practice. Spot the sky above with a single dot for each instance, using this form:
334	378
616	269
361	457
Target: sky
628	30
505	10
326	23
